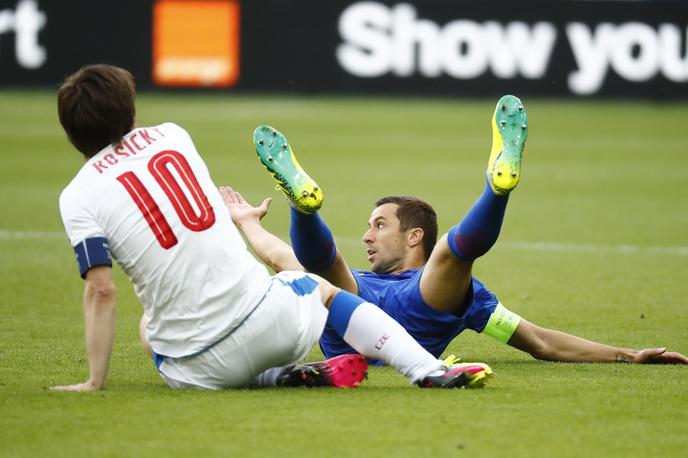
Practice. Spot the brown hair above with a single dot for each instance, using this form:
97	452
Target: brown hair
414	212
96	106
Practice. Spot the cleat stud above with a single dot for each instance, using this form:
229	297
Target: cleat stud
260	142
304	194
504	107
499	173
520	108
270	159
513	174
503	122
284	145
274	133
523	126
270	145
315	188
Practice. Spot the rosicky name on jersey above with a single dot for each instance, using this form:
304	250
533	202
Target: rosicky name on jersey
129	146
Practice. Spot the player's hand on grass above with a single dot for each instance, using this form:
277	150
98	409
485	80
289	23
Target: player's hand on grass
86	386
659	356
240	210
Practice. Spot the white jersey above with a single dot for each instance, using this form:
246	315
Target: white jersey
152	199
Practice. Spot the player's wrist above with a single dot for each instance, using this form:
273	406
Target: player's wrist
96	382
249	223
625	355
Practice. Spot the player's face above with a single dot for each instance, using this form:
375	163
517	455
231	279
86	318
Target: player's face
385	243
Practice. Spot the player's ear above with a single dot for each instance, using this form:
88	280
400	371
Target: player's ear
414	236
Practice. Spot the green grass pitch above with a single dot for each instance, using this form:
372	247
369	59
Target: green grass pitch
595	242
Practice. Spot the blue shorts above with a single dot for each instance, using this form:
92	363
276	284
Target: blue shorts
399	296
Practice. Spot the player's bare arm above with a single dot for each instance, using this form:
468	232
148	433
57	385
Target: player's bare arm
268	247
272	250
551	345
100	300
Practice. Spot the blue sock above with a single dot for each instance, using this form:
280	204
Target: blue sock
312	241
479	229
341	308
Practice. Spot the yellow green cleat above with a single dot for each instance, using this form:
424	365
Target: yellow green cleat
509	133
276	155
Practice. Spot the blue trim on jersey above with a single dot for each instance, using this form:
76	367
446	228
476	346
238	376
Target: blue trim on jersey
399	296
301	286
341	308
92	252
203	350
157	359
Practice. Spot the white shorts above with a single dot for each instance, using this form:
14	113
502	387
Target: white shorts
281	330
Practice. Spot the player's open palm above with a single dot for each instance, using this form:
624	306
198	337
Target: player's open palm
659	356
240	210
86	386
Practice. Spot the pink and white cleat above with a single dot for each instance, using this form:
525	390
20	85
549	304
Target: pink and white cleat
344	371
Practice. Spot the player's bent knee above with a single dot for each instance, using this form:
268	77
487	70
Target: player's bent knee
327	291
442	248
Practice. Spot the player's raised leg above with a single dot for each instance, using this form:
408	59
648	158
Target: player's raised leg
311	239
447	277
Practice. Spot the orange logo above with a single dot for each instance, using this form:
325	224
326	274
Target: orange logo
196	43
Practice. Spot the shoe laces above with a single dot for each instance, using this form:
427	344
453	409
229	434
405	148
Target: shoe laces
451	360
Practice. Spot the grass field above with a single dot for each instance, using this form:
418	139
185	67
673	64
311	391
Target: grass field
595	243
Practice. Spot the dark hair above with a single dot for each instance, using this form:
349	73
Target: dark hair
414	212
96	106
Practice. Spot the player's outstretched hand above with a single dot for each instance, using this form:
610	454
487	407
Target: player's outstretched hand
240	210
86	386
659	356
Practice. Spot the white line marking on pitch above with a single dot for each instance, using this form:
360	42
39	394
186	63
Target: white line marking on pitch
568	247
593	248
522	246
23	235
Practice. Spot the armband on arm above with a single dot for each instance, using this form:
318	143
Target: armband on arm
92	252
502	324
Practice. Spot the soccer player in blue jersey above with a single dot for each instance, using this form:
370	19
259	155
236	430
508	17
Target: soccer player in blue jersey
426	286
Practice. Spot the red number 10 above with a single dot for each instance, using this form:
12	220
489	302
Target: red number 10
160	167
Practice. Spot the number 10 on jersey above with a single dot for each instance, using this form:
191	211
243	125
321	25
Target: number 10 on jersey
160	166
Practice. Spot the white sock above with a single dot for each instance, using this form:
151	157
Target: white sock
374	334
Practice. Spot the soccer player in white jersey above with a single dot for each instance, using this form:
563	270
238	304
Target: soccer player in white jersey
213	316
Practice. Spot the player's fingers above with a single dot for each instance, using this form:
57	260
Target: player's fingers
223	193
66	388
266	203
676	357
240	198
652	352
231	195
